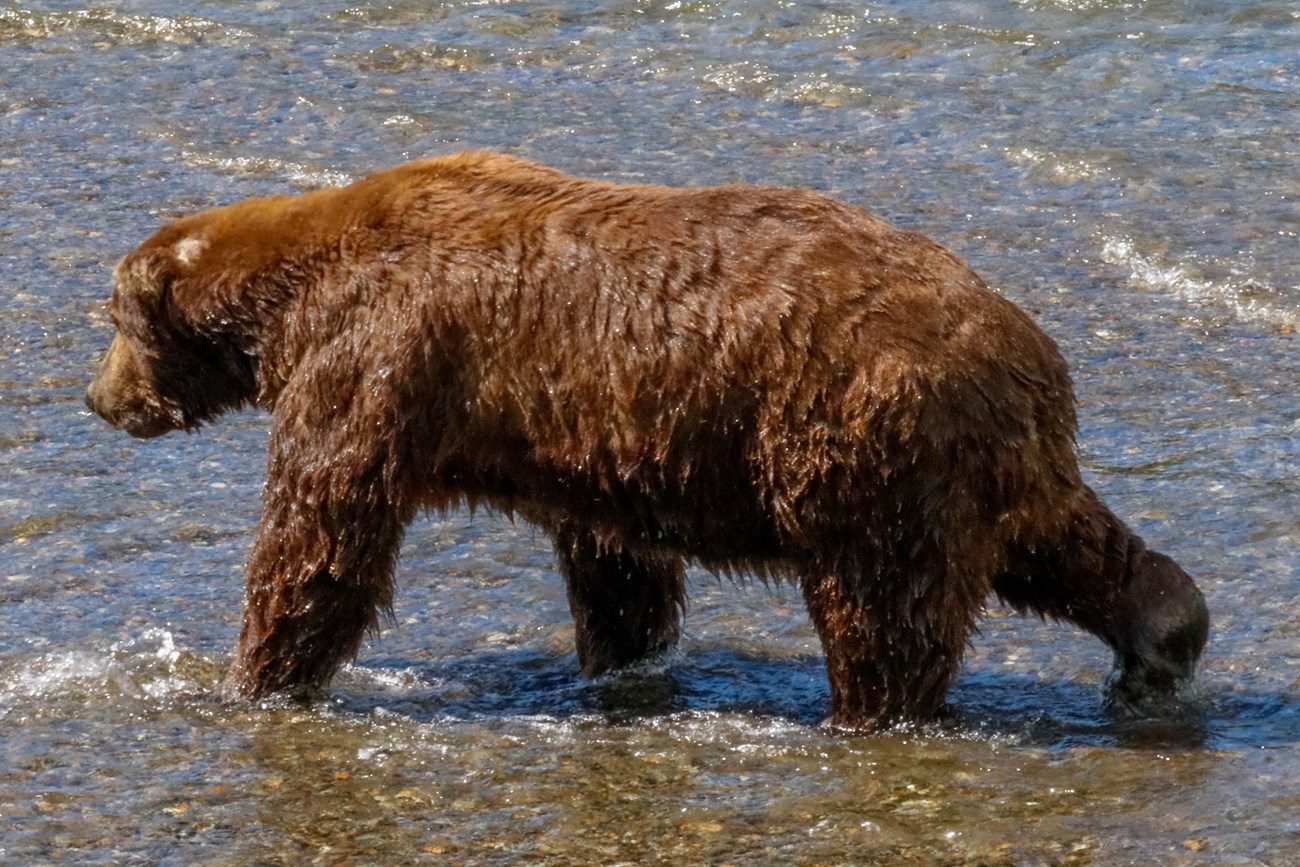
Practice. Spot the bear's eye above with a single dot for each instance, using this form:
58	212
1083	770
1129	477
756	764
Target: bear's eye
127	317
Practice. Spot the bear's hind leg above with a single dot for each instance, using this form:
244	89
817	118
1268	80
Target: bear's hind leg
1100	576
892	647
625	606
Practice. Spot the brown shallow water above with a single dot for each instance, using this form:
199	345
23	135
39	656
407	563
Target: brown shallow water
1125	170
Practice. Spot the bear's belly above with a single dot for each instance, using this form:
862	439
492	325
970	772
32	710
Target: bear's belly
708	521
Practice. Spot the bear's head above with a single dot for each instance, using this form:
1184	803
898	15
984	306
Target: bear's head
172	364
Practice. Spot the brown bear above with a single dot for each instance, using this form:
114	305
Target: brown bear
753	379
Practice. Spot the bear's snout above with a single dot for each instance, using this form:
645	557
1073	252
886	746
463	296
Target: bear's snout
116	396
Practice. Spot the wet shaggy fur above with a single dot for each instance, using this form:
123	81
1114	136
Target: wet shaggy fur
753	379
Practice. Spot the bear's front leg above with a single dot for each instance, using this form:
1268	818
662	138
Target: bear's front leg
625	607
312	595
321	568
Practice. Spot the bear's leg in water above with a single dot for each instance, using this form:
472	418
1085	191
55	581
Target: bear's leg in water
893	641
321	569
625	606
1100	576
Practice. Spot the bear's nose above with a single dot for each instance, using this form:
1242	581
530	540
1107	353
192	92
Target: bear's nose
95	397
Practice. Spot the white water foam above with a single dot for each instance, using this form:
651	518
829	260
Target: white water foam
143	667
295	172
1246	298
124	27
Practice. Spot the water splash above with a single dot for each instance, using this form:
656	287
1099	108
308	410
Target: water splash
149	666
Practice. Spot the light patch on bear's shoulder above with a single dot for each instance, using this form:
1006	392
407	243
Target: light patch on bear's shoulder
188	250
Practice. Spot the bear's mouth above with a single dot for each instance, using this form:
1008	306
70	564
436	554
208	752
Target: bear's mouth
146	429
136	421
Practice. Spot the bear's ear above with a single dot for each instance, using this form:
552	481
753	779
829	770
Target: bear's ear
141	282
145	276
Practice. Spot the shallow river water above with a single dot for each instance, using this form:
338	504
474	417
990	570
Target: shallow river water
1126	170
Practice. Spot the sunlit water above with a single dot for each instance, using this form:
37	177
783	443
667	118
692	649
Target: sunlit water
1125	170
